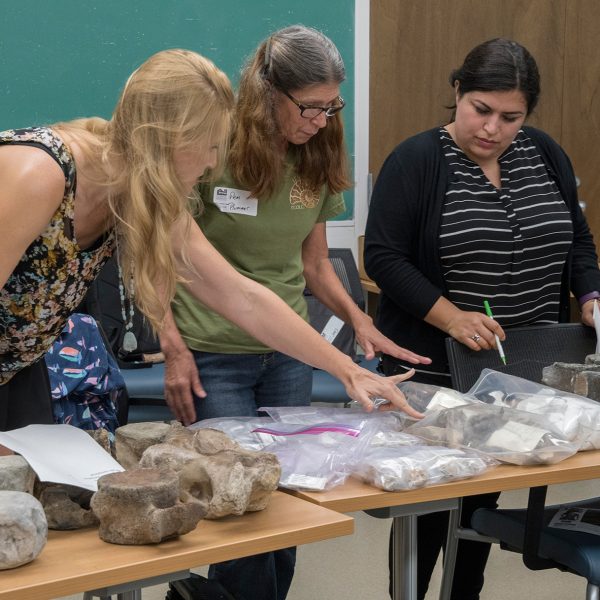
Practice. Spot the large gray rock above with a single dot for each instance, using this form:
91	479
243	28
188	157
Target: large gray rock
16	474
23	529
142	506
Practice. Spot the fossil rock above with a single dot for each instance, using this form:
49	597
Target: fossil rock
16	474
178	435
231	481
213	441
142	506
23	529
167	456
562	375
66	506
215	471
102	438
587	383
131	441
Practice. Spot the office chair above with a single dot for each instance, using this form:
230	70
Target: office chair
526	531
327	388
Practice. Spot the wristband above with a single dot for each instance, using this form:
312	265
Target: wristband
587	297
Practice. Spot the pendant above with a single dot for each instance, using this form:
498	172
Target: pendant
129	342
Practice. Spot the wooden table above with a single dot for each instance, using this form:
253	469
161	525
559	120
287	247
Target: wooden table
404	507
75	561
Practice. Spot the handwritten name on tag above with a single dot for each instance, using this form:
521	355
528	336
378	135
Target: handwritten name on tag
230	200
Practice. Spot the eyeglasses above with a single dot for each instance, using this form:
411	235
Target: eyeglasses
310	112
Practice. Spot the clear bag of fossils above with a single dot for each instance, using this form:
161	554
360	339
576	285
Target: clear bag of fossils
410	467
507	434
425	397
577	418
313	460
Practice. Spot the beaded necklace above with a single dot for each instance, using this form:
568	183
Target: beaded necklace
129	340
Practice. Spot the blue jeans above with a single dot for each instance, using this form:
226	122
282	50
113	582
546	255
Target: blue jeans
237	385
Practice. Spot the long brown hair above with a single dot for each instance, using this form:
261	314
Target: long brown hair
290	59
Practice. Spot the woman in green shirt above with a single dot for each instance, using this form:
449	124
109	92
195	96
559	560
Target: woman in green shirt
286	172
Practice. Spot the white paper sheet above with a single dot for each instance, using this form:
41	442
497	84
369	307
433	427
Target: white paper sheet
61	454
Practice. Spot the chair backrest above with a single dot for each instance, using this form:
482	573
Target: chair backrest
528	350
321	317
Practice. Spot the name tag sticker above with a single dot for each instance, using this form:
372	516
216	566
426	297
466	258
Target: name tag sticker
332	328
230	200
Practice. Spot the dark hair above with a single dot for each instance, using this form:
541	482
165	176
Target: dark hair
499	65
289	59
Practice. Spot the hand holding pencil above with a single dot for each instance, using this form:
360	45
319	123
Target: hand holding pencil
488	312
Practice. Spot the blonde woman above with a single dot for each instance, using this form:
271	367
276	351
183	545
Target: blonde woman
72	192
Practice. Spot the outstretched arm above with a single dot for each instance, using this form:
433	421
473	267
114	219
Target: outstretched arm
265	316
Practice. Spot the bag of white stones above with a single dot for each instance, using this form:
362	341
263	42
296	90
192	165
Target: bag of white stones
412	466
577	418
507	434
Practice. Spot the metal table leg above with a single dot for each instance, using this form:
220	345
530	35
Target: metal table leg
404	575
450	553
132	590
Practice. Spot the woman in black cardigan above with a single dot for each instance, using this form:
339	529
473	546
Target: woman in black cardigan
482	208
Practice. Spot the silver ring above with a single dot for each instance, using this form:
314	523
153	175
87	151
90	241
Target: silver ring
476	337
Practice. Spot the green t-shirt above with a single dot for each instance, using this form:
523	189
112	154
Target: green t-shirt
263	240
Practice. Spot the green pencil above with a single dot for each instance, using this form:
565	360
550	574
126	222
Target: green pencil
488	312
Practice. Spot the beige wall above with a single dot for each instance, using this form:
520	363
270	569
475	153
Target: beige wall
416	43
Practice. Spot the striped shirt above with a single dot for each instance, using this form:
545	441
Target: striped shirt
506	245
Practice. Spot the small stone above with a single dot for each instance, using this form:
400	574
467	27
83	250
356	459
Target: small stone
23	529
131	440
212	441
66	506
592	359
16	474
587	384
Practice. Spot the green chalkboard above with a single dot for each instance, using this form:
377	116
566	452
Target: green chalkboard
61	59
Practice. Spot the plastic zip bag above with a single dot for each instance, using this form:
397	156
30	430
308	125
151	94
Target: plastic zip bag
395	469
507	434
576	417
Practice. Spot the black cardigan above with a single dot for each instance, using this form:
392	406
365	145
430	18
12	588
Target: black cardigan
402	239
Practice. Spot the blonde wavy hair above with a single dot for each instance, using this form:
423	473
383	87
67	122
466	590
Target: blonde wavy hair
177	99
289	60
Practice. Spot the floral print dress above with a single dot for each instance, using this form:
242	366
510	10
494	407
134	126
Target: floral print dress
53	275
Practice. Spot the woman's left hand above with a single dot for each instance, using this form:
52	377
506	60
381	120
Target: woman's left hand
371	340
587	313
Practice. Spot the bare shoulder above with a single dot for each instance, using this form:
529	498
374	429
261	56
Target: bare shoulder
32	189
32	171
